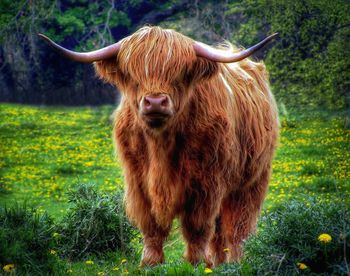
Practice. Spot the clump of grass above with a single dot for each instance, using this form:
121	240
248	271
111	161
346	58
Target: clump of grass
310	169
286	120
94	224
289	239
288	123
323	185
66	169
2	188
26	242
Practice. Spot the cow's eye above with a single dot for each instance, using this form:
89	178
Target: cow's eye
136	86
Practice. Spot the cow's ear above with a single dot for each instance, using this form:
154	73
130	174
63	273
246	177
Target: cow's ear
109	71
202	69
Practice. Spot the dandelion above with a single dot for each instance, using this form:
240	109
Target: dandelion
9	267
100	273
207	270
123	261
302	266
89	262
325	238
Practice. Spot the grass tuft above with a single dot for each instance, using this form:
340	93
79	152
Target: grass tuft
26	240
94	224
289	235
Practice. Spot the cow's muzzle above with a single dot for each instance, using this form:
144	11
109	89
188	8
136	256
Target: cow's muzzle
156	109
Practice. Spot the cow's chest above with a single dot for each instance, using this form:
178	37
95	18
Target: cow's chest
165	183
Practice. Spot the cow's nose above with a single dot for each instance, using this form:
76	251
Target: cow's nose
156	104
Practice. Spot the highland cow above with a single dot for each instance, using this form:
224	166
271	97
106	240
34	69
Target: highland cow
195	131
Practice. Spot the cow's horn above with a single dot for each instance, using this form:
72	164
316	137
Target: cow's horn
88	57
205	51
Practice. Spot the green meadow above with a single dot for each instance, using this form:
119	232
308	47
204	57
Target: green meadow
48	151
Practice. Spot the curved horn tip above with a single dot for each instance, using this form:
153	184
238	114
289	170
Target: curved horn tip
274	35
203	50
42	36
86	57
45	38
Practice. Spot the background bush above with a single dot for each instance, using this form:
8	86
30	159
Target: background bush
26	240
308	63
94	224
288	235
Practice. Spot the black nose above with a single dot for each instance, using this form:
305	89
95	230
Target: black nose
159	104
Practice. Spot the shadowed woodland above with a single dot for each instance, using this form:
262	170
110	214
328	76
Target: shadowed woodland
308	64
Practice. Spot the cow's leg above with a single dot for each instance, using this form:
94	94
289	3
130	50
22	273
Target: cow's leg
138	210
154	238
197	235
239	215
198	224
217	246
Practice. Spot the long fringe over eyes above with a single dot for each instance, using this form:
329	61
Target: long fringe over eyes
156	54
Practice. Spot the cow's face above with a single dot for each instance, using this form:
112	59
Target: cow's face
156	71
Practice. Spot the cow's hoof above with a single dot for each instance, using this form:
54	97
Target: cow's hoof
208	261
235	254
218	257
151	257
195	258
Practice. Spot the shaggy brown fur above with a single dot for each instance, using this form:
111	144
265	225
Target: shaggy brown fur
210	165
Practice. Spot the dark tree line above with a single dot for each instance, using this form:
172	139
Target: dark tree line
309	64
32	73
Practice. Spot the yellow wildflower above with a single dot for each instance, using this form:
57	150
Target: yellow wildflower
302	266
9	267
53	252
207	270
115	268
89	262
325	238
123	261
226	249
101	273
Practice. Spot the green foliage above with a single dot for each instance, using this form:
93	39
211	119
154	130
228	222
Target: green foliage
309	65
26	240
289	235
94	224
89	23
71	22
17	18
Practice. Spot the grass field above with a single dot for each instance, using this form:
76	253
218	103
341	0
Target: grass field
45	151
